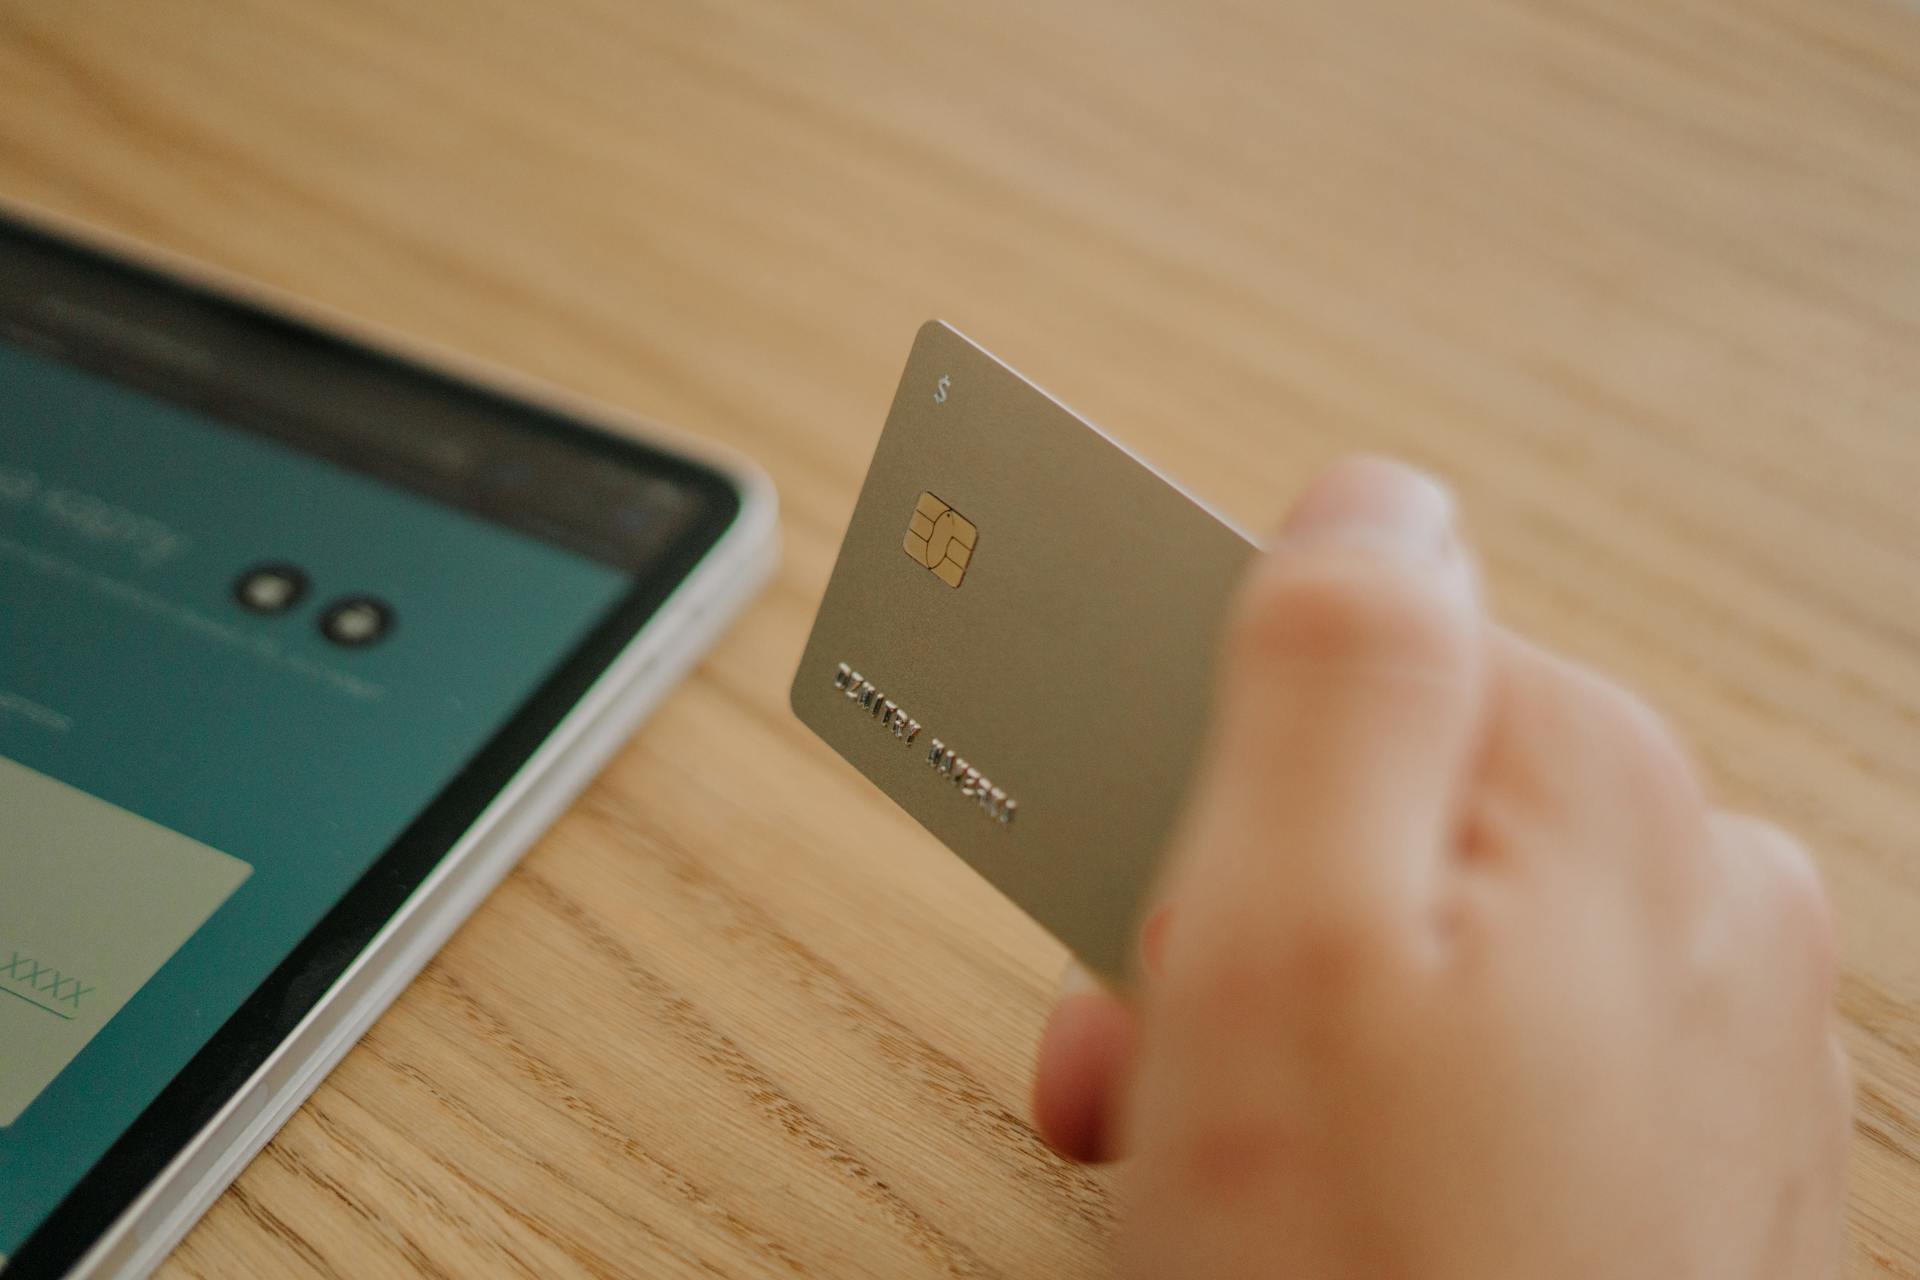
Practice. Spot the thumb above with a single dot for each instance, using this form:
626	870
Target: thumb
1348	709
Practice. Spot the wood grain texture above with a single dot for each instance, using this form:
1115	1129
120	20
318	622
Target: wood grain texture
1640	277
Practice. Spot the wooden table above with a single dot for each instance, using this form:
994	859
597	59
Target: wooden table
1641	279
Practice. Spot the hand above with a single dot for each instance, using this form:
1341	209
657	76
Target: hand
1459	975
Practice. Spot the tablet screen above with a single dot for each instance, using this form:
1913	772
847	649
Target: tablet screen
230	675
280	616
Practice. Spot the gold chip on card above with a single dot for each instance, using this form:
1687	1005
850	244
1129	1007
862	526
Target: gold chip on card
941	539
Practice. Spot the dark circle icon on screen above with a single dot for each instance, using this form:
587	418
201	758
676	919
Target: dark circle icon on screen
356	621
270	588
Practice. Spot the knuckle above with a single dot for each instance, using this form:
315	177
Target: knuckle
1336	610
1794	919
1842	1077
1656	747
1802	910
1658	770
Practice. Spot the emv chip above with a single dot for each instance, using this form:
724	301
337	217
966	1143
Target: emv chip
941	539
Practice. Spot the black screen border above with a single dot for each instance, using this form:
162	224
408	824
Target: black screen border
244	1043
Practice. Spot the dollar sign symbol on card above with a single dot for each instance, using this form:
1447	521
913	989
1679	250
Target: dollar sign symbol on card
940	389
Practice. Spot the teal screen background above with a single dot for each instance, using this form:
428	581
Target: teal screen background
128	670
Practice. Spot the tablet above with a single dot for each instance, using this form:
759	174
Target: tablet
302	641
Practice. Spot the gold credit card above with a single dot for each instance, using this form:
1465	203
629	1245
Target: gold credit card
1017	642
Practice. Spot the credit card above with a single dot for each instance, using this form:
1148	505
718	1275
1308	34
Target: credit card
1018	639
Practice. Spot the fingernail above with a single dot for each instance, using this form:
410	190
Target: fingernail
1076	981
1379	504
